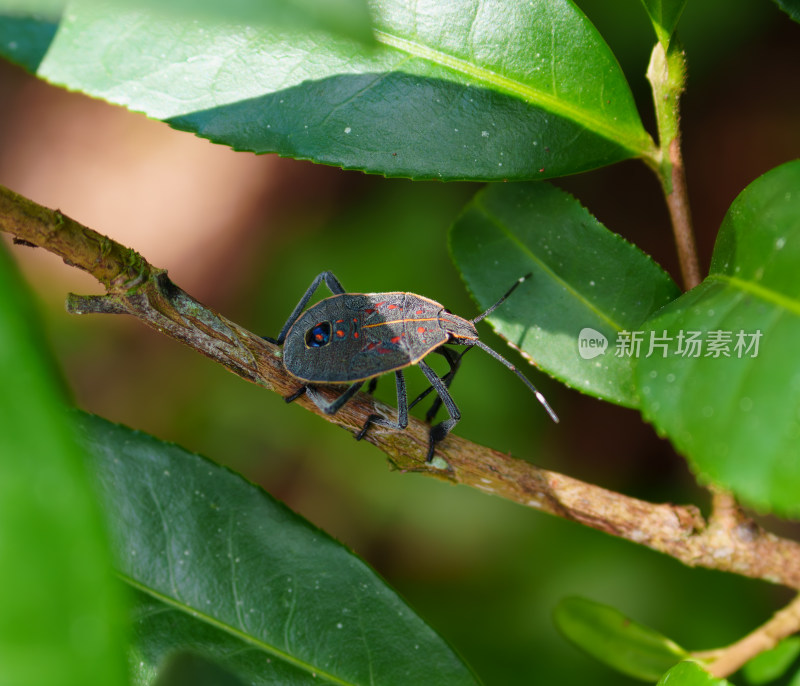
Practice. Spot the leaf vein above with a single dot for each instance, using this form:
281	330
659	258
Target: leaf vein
167	536
544	267
238	633
360	92
548	101
768	294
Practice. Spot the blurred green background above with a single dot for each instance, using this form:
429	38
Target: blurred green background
246	235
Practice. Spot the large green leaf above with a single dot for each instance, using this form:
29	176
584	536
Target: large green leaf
25	40
60	616
234	576
611	637
40	8
690	674
737	415
347	17
791	7
588	283
188	669
453	90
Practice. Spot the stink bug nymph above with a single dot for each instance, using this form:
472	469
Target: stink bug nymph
351	338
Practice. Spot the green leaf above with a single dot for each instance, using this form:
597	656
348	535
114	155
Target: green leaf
349	18
791	7
187	669
60	619
503	93
344	18
26	40
690	674
245	582
614	639
664	15
50	9
588	283
738	417
772	664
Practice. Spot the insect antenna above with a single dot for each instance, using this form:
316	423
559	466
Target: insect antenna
500	358
500	302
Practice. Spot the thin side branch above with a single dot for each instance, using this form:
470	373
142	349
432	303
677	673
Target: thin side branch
783	623
667	75
732	543
677	198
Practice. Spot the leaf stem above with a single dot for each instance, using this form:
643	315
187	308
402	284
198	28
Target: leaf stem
728	542
667	75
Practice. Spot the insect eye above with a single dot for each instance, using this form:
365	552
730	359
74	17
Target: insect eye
318	335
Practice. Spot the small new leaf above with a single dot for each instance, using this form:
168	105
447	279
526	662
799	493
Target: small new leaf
664	15
772	664
616	640
690	673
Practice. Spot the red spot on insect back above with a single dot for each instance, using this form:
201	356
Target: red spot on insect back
368	311
339	321
421	329
395	339
420	312
340	333
392	307
355	334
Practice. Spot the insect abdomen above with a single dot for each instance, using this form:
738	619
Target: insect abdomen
353	336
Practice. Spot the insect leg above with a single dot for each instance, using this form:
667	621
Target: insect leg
294	396
402	410
449	355
333	284
454	360
439	432
334	406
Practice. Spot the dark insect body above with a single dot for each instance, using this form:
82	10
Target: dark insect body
350	338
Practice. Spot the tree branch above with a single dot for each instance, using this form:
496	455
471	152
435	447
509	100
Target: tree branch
731	543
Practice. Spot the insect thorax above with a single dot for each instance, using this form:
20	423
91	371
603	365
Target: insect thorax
457	326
